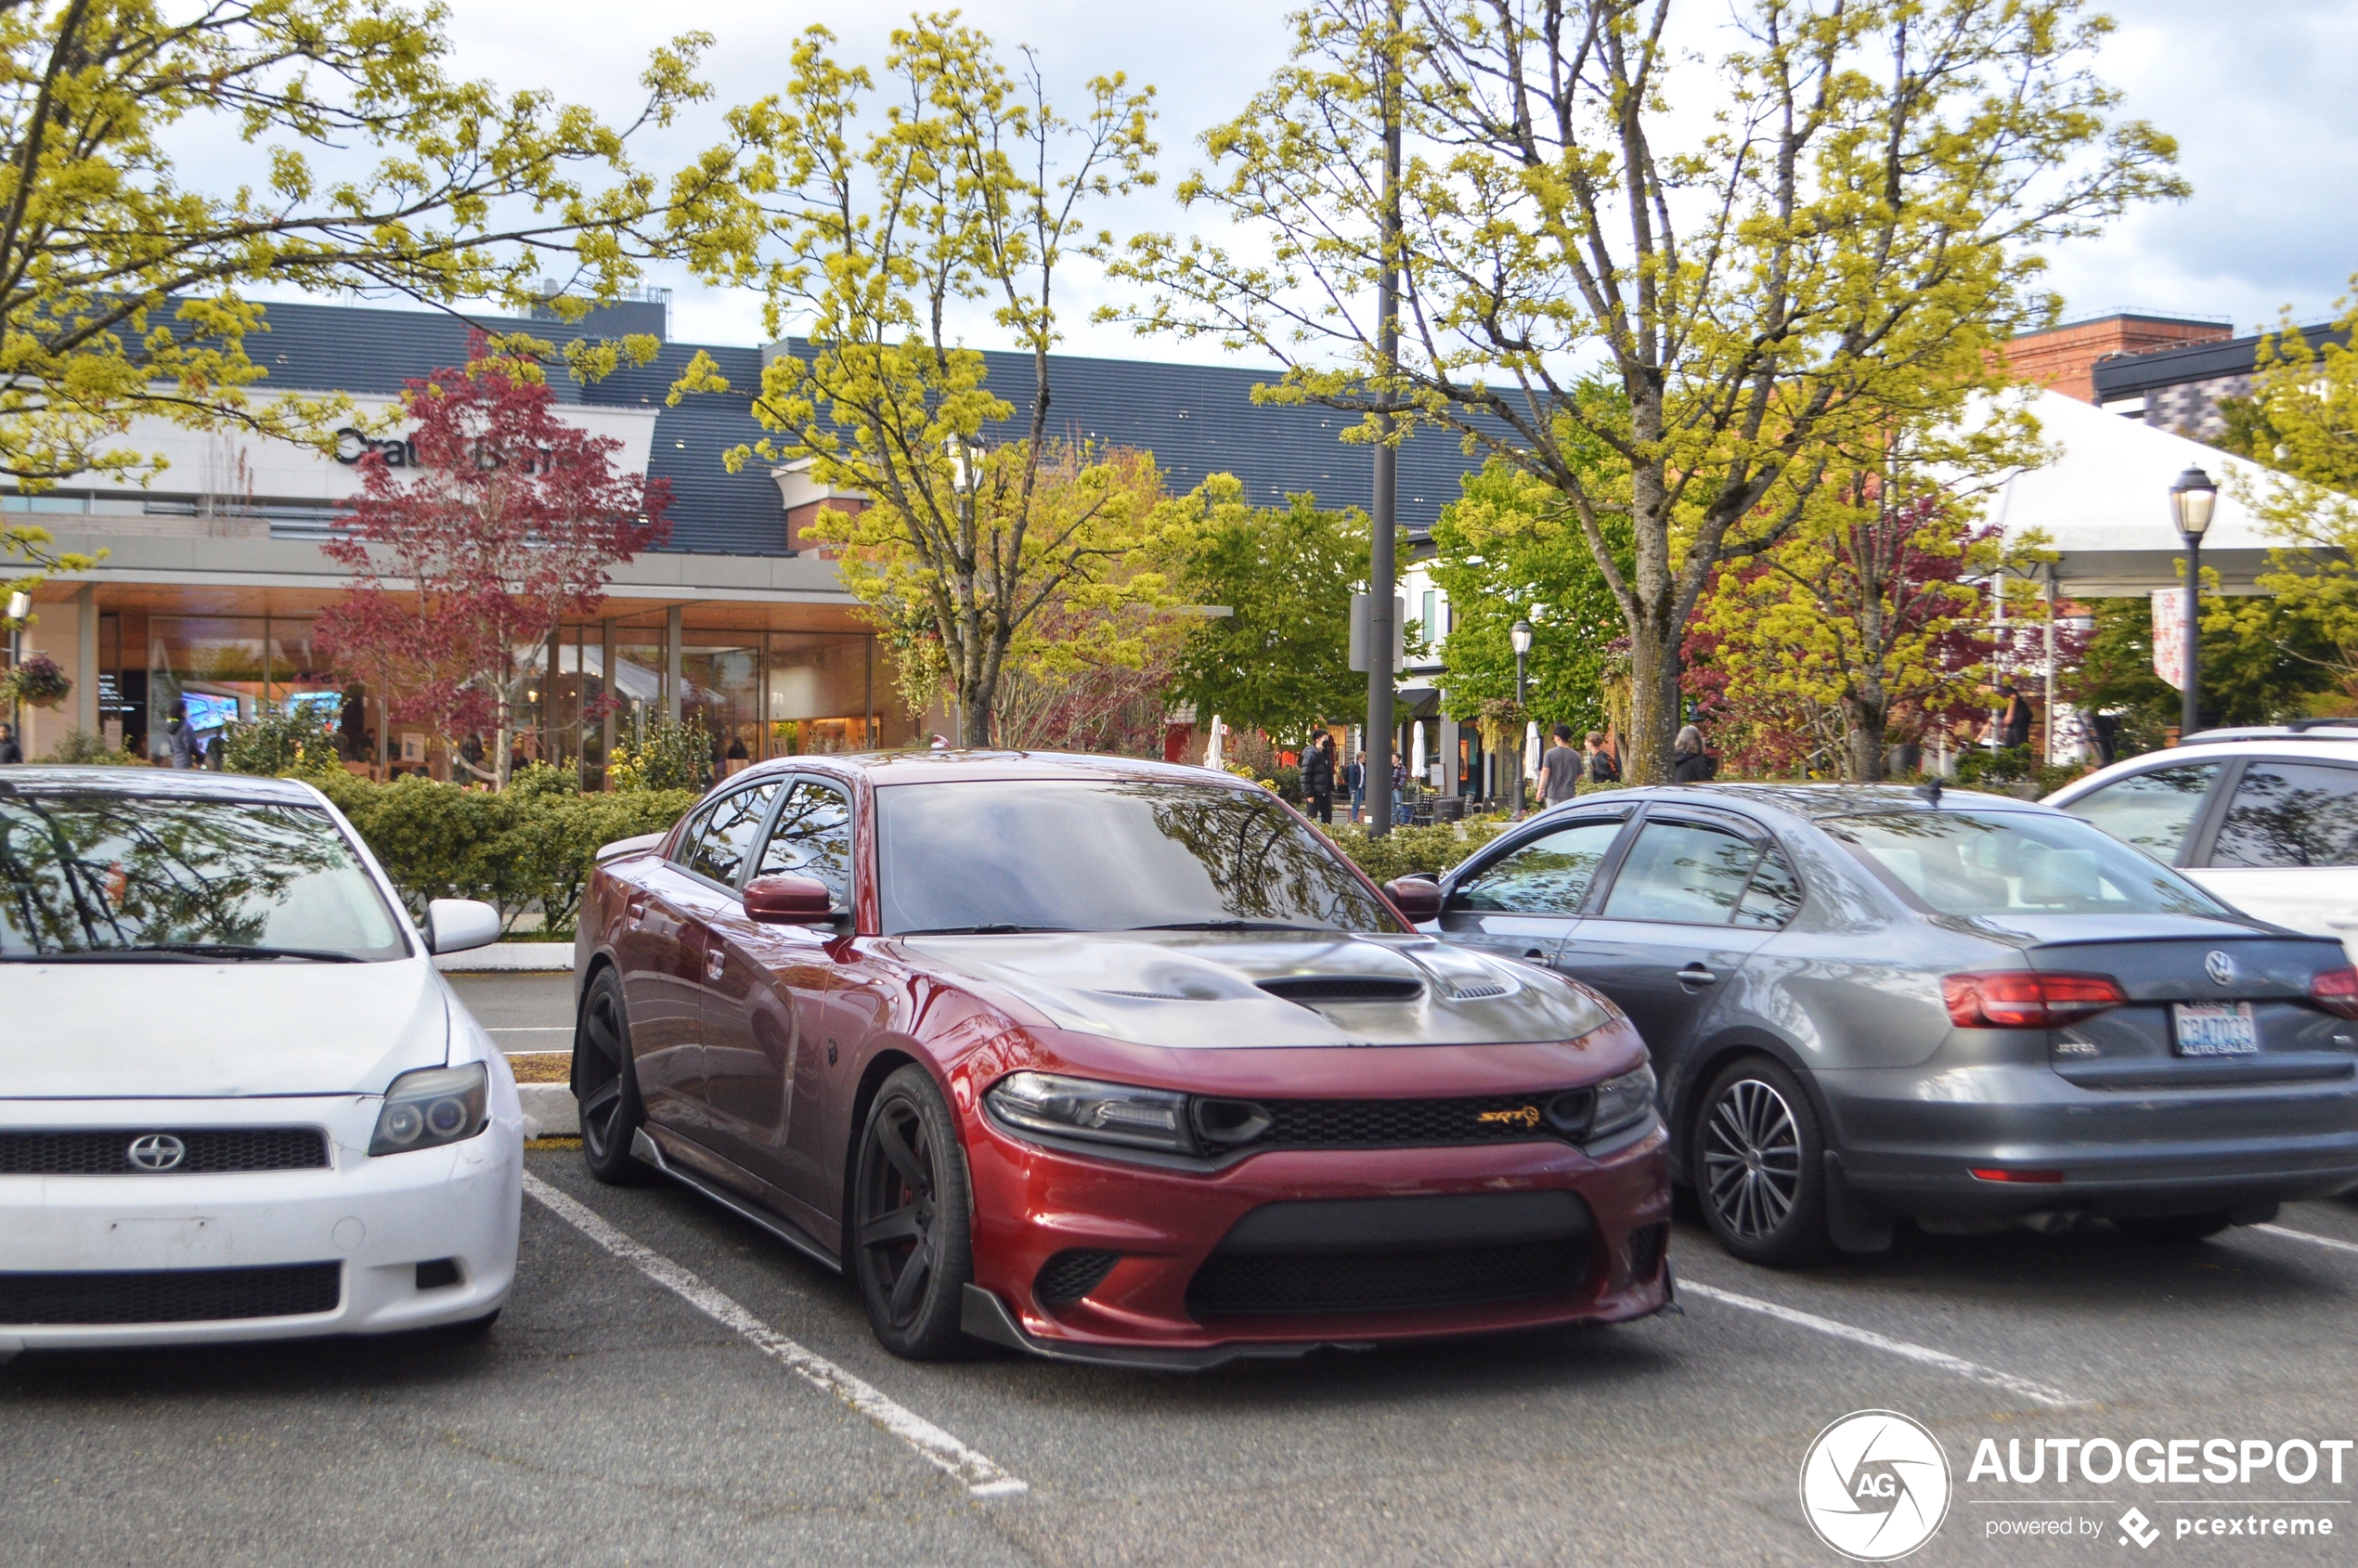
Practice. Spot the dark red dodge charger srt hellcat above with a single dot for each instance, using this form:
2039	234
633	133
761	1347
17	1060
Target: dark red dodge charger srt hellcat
1107	1060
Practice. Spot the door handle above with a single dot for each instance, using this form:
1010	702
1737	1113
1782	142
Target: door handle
1695	974
635	910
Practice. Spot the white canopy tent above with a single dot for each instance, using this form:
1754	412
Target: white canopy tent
2103	504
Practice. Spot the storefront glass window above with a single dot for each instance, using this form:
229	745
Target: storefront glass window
819	698
214	665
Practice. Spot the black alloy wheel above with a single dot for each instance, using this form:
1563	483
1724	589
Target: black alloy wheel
912	1249
606	1085
2172	1230
1760	1165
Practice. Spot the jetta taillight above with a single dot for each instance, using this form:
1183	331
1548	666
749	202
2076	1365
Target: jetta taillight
2026	998
2337	992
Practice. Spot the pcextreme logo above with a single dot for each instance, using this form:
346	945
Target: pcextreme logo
1874	1485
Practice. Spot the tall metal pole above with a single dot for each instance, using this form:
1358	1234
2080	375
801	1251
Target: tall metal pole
1515	807
1381	571
2190	713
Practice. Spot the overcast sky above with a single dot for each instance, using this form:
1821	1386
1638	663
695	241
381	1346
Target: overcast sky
2255	95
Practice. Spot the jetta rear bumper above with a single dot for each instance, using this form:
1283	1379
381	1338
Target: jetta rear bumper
373	1221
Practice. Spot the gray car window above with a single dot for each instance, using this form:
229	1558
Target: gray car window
2292	813
2151	810
1683	872
1546	876
812	838
1973	862
720	848
1774	896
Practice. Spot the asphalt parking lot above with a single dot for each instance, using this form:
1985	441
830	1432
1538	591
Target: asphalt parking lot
670	1385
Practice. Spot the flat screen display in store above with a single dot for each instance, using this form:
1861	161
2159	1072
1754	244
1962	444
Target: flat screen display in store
208	712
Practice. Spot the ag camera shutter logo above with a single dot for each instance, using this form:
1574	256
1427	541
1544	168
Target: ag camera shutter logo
1874	1485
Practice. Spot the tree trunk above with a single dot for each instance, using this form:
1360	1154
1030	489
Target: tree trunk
1869	722
1654	704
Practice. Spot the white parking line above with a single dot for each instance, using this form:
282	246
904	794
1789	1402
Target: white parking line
981	1477
2304	1236
2038	1392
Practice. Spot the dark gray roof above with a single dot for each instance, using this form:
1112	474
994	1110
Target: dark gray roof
2126	375
1196	420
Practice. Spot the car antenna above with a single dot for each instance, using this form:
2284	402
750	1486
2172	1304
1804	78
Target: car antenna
1930	790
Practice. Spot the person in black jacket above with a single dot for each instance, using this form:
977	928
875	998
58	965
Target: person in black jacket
1318	779
9	750
1689	762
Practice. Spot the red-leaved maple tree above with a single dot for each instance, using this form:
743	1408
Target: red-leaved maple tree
505	523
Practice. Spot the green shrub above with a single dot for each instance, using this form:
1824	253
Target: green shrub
529	847
674	756
1409	849
83	749
278	742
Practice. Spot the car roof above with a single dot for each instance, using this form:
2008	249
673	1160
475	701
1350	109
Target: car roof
155	783
1809	801
963	765
2307	732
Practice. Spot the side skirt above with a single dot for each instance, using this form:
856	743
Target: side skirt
645	1148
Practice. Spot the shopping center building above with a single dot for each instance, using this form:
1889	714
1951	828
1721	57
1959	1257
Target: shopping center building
214	570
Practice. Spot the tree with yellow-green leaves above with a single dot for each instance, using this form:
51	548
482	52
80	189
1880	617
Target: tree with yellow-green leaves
876	242
123	281
2302	423
1840	243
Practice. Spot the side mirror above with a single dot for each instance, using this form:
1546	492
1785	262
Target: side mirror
788	899
1417	898
456	925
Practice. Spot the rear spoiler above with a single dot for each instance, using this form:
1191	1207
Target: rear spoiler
621	846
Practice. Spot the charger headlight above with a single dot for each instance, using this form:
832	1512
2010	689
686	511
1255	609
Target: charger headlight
1622	1103
1055	1105
432	1106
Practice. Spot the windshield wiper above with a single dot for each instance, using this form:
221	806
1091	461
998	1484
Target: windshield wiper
180	952
978	930
1236	926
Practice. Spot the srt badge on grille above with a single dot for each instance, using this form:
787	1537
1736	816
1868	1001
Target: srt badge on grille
156	1151
1521	1116
2219	968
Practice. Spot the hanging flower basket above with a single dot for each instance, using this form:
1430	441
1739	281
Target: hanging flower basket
38	682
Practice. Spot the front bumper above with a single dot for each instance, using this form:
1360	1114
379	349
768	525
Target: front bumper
378	1218
1909	1140
1033	1203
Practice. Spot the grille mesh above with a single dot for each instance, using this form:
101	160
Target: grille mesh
211	1151
183	1295
1234	1284
1071	1274
1376	1123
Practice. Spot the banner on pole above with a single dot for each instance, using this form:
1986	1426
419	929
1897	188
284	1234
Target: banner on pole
2169	636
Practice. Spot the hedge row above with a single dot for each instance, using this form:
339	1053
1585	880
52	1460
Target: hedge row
1409	849
530	846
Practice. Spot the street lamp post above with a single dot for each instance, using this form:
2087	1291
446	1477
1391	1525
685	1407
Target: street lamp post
19	610
1519	635
2193	498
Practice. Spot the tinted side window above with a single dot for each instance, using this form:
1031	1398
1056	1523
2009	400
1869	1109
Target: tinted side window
812	838
1546	876
720	850
2292	813
1683	872
2150	811
1774	896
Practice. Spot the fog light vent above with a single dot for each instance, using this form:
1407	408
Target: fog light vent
440	1274
1646	1244
1067	1276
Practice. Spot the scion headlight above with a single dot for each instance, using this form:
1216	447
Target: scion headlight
432	1107
1077	1107
1622	1103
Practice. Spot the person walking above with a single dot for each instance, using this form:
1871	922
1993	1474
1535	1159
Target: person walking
1560	770
2019	717
10	751
1602	768
182	738
1689	762
1355	779
1318	779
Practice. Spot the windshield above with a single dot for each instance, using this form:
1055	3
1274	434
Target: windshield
1081	855
116	875
1965	862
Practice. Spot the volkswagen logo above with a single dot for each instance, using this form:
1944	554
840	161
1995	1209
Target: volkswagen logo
156	1151
2219	968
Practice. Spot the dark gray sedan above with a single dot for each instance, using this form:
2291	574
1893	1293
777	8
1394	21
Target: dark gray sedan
1866	1002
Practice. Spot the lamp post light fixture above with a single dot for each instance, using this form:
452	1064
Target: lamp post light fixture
1518	635
2193	499
20	611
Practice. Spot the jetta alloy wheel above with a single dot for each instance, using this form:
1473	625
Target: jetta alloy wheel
1752	1159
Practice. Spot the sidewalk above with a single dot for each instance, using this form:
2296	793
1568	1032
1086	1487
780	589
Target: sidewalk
519	957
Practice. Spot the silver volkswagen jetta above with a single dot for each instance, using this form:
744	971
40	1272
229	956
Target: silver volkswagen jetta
1865	1003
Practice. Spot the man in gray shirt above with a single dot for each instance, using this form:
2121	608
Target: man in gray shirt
1559	768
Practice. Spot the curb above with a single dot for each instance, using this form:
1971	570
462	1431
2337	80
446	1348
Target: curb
549	1110
510	958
